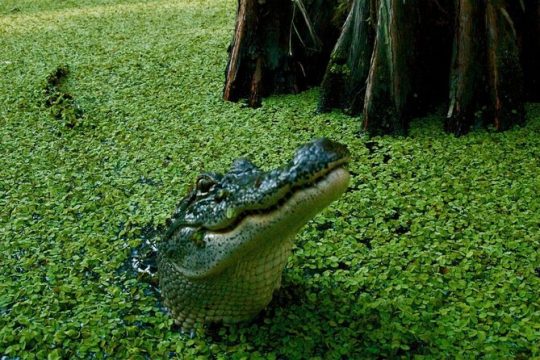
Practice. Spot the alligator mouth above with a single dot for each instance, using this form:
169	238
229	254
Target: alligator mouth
328	177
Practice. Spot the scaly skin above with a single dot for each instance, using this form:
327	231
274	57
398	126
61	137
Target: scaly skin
230	237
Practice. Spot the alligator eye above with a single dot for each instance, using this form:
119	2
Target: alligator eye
230	213
204	184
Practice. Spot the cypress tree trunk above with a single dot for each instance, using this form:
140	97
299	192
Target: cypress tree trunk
394	59
389	83
503	65
344	84
258	25
279	46
467	71
487	78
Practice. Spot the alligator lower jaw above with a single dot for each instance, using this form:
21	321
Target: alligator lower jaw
267	228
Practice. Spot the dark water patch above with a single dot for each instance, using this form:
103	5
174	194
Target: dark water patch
62	105
149	181
393	215
324	226
366	241
402	229
372	146
290	293
140	267
142	259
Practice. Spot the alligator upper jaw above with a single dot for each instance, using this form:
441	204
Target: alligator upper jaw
269	228
291	180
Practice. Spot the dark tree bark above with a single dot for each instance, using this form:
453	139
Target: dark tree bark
530	48
389	83
486	75
394	59
504	71
279	46
467	69
344	83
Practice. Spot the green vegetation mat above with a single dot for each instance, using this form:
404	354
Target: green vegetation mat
109	110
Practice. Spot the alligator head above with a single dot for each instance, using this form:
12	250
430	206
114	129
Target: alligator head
230	237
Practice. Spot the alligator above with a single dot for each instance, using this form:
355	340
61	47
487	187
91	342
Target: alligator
228	241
